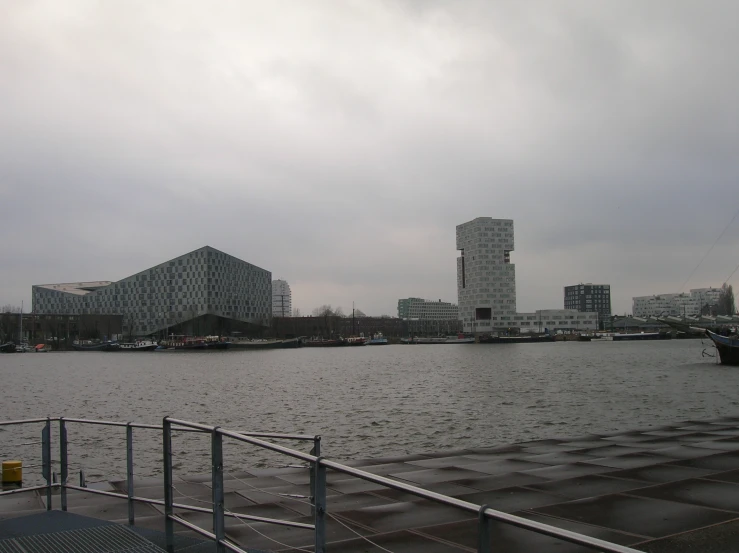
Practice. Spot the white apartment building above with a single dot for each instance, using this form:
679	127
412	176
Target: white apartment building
555	319
425	310
486	278
282	302
675	305
486	284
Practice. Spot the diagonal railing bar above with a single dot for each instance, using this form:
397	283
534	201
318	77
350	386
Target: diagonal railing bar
318	464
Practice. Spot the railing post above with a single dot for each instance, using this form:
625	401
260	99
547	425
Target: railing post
320	506
317	452
219	527
484	533
129	471
46	460
168	495
63	459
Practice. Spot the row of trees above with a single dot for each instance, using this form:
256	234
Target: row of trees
328	311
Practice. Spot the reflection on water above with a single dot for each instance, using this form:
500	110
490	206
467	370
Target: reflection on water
365	402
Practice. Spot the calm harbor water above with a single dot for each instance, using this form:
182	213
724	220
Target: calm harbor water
365	402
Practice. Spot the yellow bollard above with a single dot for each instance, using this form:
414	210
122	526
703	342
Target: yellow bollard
12	472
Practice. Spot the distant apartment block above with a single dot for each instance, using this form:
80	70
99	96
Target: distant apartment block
486	285
676	305
589	297
426	310
282	302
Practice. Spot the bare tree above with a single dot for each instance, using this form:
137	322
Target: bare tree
297	313
339	312
726	303
7	308
323	311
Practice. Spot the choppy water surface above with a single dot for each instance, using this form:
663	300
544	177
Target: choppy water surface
365	402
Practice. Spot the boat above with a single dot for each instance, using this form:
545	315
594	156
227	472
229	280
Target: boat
256	344
8	347
289	343
525	339
377	340
642	336
356	341
727	346
459	339
193	343
94	346
138	345
321	343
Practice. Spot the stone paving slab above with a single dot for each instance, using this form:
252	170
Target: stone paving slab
658	489
646	517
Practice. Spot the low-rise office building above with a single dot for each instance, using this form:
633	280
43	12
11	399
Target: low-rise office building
417	308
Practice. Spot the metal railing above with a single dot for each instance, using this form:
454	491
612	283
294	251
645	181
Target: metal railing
318	468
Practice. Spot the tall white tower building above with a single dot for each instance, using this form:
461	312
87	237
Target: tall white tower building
282	303
486	278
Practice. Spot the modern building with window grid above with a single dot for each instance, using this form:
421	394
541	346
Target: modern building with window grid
282	299
205	286
589	297
417	308
486	285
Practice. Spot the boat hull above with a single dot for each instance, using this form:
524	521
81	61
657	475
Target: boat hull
7	348
515	339
196	347
324	343
108	346
642	336
137	347
428	341
728	348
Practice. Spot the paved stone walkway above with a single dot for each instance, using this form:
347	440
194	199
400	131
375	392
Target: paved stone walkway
668	489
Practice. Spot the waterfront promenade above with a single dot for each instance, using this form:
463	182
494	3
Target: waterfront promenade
673	488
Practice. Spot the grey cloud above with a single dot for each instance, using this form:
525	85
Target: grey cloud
338	145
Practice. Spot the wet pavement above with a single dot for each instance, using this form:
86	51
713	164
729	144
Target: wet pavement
673	488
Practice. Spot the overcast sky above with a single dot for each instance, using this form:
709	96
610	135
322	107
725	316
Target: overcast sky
338	144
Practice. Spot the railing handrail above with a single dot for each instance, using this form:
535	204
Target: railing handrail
514	520
274	435
320	464
245	438
28	421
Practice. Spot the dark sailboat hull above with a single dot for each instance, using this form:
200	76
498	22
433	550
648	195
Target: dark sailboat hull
728	348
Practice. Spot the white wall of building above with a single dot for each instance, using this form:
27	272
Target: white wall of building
417	308
282	302
675	305
486	285
486	279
